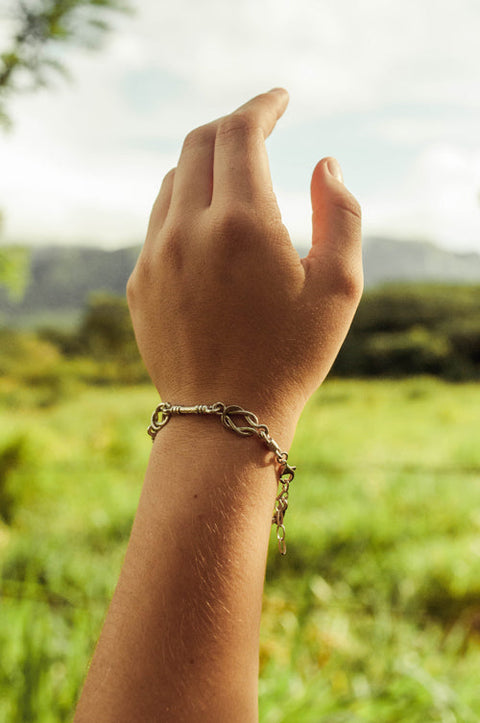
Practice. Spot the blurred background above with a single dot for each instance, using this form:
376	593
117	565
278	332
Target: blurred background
374	615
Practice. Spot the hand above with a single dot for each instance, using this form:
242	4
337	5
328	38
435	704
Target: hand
223	307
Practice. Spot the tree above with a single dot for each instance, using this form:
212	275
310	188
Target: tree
106	329
14	270
39	28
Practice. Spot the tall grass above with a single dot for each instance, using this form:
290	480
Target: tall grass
373	615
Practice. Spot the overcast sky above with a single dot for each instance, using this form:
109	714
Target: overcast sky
391	88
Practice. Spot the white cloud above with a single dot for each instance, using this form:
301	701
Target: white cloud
296	215
333	55
406	130
439	200
63	193
84	162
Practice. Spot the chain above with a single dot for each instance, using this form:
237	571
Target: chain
250	426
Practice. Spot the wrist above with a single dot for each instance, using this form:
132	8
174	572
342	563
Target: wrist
227	458
280	417
219	467
234	418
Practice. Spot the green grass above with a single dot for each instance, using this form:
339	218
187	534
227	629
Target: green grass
373	615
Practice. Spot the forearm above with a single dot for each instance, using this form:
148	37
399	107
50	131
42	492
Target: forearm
183	625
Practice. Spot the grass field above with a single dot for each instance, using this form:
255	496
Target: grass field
373	615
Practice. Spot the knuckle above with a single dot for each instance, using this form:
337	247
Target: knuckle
235	223
239	124
172	252
198	137
352	207
168	178
130	289
349	283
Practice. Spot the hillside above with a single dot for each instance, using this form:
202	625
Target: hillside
386	260
62	278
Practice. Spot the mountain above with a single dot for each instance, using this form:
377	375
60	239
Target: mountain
62	278
387	260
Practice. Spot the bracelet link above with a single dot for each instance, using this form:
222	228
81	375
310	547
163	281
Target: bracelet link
250	427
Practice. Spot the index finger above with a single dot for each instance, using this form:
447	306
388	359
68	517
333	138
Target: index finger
240	165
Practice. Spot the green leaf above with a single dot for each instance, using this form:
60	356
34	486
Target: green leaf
14	270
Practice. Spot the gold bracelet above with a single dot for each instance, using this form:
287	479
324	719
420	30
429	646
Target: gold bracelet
249	427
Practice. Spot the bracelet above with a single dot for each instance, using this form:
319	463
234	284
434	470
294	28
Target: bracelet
250	426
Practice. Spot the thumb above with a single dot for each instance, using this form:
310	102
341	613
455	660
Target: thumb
336	217
336	222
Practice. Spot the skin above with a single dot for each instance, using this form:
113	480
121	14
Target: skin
224	309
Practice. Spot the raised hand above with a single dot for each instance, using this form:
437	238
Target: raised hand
222	305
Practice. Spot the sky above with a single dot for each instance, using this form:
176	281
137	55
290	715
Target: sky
392	89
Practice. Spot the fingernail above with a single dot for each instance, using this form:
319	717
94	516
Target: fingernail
277	90
334	169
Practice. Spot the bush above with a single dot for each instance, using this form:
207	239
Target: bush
408	329
106	329
415	351
25	354
11	458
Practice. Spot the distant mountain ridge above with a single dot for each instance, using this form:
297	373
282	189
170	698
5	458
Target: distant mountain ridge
387	260
63	277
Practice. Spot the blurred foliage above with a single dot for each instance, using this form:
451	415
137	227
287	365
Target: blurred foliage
374	613
14	268
53	363
11	457
411	329
104	343
106	329
39	29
